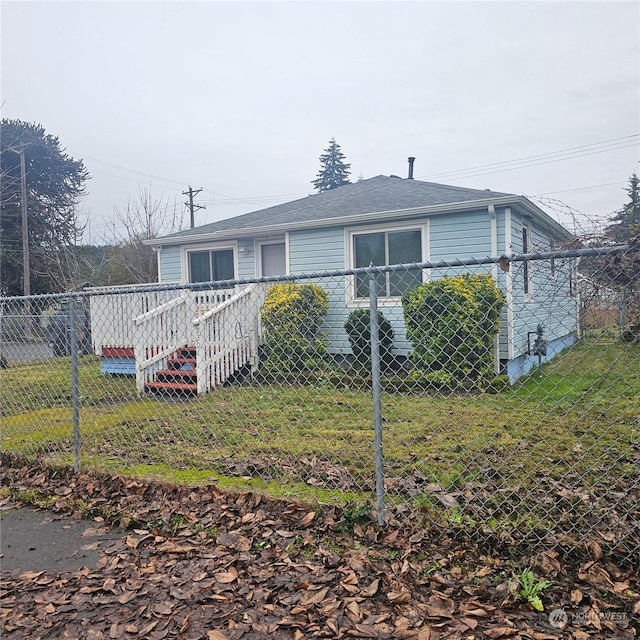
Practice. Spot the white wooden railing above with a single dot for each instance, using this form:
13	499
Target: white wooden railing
113	315
222	324
159	333
228	337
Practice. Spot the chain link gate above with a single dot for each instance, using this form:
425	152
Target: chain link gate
498	396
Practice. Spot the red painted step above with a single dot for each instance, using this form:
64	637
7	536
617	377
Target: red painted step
179	377
182	361
176	373
175	387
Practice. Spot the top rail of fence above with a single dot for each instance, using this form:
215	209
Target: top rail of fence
225	284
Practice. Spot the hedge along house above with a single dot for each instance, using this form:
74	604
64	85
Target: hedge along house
384	221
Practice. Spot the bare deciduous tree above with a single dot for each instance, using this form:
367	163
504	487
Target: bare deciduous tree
144	218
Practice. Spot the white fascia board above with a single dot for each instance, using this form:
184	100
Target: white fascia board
377	216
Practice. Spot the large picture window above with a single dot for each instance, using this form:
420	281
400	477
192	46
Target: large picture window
382	248
208	266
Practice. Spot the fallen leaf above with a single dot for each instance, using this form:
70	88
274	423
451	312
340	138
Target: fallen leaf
30	575
470	623
163	608
440	606
133	543
307	520
314	597
398	597
226	577
372	589
109	584
127	596
596	575
354	609
500	632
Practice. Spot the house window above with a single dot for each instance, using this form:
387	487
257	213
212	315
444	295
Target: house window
273	259
383	248
209	266
526	267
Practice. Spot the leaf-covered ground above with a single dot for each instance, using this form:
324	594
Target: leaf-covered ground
199	563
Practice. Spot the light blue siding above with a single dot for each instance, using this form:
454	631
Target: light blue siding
523	364
118	365
323	250
316	250
246	260
549	302
460	235
170	264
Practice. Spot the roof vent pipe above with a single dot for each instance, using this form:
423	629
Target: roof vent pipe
411	161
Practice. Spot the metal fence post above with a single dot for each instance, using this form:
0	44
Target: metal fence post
376	392
75	383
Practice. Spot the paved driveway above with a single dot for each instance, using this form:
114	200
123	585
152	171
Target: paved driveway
39	540
26	351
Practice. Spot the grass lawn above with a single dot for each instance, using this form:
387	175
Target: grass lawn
571	429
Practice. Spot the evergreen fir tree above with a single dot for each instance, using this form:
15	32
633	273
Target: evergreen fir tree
55	183
334	171
626	222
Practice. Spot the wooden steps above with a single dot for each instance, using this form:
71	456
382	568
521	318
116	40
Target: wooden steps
180	377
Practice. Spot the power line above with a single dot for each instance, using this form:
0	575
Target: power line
129	170
525	166
113	175
593	186
543	158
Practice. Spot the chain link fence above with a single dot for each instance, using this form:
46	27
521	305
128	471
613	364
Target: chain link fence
494	397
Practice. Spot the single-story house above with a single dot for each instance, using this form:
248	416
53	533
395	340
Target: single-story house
385	220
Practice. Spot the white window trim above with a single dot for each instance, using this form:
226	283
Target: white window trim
191	248
527	274
554	266
258	254
349	233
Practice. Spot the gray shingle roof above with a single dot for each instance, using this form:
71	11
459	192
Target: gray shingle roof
378	194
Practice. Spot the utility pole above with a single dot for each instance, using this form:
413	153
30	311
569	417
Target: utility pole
26	273
193	207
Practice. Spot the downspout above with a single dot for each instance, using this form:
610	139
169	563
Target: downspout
494	239
158	251
509	284
493	220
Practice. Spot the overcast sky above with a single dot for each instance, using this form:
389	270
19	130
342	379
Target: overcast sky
241	98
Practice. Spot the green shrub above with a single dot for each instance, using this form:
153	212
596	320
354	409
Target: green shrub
432	379
358	328
451	324
291	317
498	384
